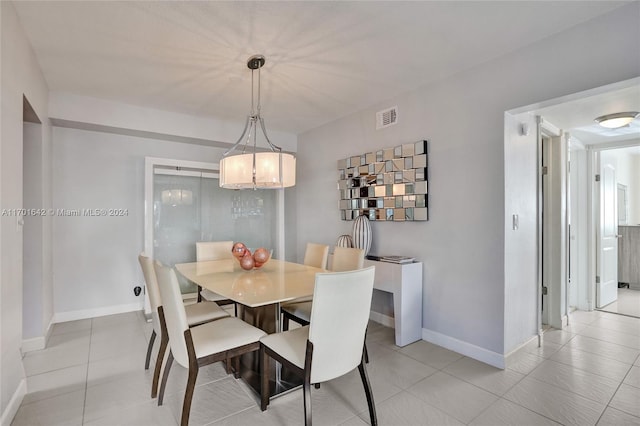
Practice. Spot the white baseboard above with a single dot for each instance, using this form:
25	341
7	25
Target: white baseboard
385	320
37	343
96	312
521	345
34	344
14	403
472	351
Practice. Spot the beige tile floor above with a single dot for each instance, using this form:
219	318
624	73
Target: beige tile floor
92	374
628	303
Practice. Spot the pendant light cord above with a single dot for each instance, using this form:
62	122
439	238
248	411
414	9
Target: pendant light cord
251	125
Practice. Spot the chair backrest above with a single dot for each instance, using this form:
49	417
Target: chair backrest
339	317
152	289
347	259
150	279
213	250
316	255
174	313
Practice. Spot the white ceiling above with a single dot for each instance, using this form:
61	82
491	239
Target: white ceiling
324	59
578	116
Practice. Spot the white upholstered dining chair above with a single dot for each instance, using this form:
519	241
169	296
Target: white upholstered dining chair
344	259
214	250
315	255
197	313
200	345
332	344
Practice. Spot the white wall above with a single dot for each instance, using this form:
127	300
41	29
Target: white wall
520	244
463	244
103	166
21	76
627	174
92	113
110	157
33	273
37	286
95	258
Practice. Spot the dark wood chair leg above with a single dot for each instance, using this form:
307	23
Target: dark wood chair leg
199	299
164	342
227	365
151	341
264	378
285	323
306	394
368	393
188	394
306	386
235	309
165	375
366	354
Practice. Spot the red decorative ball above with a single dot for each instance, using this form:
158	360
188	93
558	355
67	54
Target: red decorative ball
246	262
238	250
261	255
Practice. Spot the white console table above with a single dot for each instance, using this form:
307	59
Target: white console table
404	282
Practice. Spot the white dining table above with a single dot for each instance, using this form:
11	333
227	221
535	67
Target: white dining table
275	282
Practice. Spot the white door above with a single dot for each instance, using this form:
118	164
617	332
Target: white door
545	216
607	276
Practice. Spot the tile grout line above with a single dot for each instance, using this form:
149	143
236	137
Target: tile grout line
86	379
637	348
607	405
608	343
428	404
501	398
614	395
548	384
528	375
227	416
586	369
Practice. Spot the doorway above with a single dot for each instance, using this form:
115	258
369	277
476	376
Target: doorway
575	115
553	220
618	245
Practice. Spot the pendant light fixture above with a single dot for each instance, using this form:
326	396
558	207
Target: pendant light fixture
617	120
247	168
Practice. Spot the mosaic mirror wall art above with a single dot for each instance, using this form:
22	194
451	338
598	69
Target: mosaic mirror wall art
389	184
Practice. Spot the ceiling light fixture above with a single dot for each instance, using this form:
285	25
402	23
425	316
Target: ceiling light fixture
619	119
252	170
177	197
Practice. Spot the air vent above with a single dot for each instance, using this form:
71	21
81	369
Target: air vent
386	117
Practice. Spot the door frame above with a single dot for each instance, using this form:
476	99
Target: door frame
552	226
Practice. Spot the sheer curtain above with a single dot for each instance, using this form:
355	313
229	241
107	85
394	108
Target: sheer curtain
189	206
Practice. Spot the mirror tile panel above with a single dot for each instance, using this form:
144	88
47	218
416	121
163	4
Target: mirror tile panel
389	184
